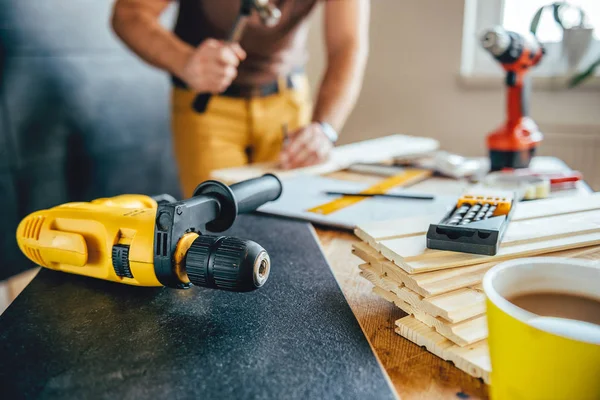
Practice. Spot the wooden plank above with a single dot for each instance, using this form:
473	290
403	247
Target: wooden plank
474	359
369	255
368	151
374	232
462	333
556	206
414	248
437	282
428	283
453	307
454	260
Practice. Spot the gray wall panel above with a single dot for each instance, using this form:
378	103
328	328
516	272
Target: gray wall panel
80	116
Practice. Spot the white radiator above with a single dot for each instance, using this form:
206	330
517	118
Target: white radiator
579	149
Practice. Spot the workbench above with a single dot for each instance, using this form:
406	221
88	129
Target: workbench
414	372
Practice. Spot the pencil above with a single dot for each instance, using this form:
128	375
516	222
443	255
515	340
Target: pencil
390	195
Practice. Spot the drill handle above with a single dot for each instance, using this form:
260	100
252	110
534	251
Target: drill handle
253	193
518	97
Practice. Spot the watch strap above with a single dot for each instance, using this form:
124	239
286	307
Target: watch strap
328	130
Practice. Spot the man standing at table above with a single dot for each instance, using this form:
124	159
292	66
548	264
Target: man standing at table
259	85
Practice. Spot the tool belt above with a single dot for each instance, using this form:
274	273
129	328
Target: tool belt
245	91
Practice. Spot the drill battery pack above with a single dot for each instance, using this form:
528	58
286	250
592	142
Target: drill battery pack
476	225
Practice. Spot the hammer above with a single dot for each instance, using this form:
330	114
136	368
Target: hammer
269	16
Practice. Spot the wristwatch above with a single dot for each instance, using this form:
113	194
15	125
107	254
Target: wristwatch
328	130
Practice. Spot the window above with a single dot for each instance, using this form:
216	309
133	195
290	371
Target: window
516	15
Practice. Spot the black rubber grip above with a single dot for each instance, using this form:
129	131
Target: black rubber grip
201	102
253	193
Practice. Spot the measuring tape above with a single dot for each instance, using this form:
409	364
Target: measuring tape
407	177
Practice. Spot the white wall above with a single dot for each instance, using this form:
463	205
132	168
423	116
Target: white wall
411	84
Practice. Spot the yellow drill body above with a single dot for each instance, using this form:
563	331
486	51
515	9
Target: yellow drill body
78	237
134	239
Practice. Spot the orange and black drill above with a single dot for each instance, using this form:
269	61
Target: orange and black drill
514	143
145	241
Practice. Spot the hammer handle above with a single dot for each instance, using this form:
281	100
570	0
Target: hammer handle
201	102
202	99
238	28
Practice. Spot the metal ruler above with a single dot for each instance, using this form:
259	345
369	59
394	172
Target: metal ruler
405	178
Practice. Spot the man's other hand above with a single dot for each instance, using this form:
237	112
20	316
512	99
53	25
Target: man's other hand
212	66
306	146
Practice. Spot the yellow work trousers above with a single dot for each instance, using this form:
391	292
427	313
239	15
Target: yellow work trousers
232	132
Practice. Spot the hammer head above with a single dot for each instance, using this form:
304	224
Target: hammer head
268	13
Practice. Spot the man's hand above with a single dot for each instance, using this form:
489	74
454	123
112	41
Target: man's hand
212	66
306	146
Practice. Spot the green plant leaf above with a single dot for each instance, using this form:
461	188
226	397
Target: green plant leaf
555	7
536	20
556	12
579	78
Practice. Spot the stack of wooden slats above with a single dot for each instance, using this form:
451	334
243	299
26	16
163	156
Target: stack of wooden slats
441	291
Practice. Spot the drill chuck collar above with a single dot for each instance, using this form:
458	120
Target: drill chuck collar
220	262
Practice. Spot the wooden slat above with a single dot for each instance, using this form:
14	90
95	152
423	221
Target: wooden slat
369	255
454	260
375	232
556	206
453	307
474	359
384	230
521	232
463	333
437	282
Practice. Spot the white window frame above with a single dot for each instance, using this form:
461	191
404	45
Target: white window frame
478	66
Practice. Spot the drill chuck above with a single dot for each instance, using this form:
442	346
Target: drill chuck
496	41
508	47
228	263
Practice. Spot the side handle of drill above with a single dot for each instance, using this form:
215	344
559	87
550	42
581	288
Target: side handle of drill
183	255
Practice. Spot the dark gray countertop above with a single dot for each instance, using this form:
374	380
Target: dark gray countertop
74	337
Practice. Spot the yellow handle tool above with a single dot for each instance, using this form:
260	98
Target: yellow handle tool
134	239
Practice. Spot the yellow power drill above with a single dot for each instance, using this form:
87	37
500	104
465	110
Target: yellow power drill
155	241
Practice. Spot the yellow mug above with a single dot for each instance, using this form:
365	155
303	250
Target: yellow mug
536	357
